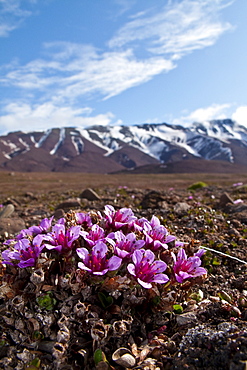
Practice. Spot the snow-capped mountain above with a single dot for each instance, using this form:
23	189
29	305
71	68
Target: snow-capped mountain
105	149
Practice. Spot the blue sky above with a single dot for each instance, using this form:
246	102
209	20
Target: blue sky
84	62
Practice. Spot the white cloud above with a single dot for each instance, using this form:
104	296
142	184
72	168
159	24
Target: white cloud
240	115
124	6
215	111
12	14
71	70
67	71
26	117
176	29
74	70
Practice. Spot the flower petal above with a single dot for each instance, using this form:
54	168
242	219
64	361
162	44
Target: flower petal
200	252
131	269
181	254
160	278
83	267
103	272
100	249
82	253
148	256
28	263
144	284
158	266
137	256
114	263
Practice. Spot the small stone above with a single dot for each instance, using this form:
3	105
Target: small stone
89	194
152	199
164	206
234	232
67	205
225	199
11	225
59	213
7	211
186	318
181	208
236	208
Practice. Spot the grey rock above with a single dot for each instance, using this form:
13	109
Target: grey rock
181	208
59	213
7	211
225	199
211	344
11	225
236	208
152	199
89	194
69	204
164	206
186	318
234	232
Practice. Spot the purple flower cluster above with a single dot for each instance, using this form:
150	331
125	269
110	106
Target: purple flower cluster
114	241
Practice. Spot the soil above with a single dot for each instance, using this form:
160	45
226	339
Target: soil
54	321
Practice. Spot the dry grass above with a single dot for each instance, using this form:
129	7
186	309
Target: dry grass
18	183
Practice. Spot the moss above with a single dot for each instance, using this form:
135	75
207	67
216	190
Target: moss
197	185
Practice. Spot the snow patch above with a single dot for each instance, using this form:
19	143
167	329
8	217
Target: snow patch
43	138
60	141
25	145
32	139
13	149
77	142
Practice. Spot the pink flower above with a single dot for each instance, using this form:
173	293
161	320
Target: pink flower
124	245
96	261
62	239
237	201
24	253
146	270
83	219
95	234
115	220
185	268
156	235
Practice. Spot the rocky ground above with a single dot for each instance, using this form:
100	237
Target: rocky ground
200	324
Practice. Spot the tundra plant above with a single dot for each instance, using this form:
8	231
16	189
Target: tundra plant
103	244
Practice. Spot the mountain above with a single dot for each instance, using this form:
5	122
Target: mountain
218	145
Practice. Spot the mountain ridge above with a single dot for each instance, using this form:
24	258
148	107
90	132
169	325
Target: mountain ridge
107	149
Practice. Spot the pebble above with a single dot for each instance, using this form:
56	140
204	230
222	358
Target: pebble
181	208
236	208
7	211
67	205
59	213
89	194
152	199
11	226
225	199
186	318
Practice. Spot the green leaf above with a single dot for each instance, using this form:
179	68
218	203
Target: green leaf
216	262
34	365
99	356
156	300
225	296
177	308
46	301
104	300
197	296
38	335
